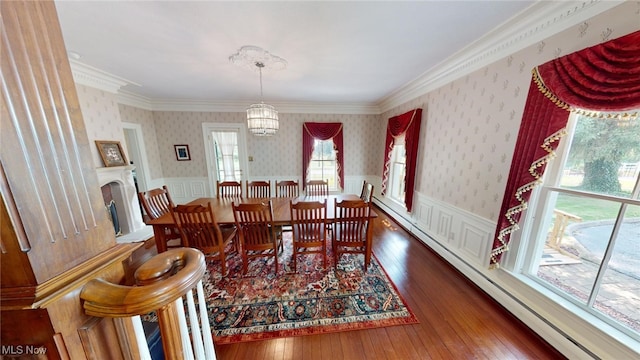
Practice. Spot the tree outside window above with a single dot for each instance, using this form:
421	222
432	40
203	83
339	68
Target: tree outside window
586	234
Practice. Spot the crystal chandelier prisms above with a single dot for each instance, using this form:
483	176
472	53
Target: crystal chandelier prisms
262	119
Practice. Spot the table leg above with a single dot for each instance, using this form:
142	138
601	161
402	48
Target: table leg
159	235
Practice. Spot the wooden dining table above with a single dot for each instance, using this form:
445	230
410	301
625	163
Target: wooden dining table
223	211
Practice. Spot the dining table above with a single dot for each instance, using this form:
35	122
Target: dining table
223	211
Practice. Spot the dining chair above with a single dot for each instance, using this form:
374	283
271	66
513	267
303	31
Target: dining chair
317	188
351	229
258	189
199	229
309	222
258	235
157	202
367	191
229	189
287	188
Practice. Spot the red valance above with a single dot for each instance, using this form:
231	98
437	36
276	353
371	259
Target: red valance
322	131
604	77
407	125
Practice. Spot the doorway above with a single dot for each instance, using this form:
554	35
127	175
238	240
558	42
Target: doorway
226	153
137	154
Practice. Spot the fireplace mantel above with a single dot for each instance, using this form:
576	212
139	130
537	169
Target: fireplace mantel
125	195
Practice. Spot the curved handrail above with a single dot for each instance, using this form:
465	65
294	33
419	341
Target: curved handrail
163	279
161	284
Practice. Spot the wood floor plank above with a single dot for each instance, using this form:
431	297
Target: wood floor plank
312	348
351	346
457	319
374	347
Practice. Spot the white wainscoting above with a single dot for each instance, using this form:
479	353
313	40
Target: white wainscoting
185	189
464	240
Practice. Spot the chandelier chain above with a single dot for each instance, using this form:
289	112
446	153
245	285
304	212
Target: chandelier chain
260	66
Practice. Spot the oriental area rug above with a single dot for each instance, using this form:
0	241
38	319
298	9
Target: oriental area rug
264	305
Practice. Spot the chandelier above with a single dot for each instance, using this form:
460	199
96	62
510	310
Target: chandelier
262	119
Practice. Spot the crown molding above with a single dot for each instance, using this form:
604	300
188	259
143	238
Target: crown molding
84	74
541	20
538	22
131	99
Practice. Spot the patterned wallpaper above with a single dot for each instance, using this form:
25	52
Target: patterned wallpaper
144	118
470	126
101	117
276	156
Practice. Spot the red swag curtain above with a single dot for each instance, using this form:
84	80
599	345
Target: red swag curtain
321	131
604	77
407	124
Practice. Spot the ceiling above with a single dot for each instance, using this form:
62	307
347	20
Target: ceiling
338	52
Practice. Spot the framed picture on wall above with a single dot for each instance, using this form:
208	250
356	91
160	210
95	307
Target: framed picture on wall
182	152
111	153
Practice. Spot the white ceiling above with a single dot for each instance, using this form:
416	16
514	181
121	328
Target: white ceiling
338	52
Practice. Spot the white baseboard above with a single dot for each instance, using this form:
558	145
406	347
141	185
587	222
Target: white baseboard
464	240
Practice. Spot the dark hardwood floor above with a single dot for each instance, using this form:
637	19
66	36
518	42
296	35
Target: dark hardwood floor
457	319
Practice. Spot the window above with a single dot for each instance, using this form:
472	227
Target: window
397	170
400	157
585	238
323	164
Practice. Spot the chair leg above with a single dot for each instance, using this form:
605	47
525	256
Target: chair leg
295	258
275	255
244	263
324	256
367	258
223	260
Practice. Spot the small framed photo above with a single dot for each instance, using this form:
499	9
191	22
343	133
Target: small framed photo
182	152
111	153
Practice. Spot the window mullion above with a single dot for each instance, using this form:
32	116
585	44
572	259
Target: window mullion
618	199
607	255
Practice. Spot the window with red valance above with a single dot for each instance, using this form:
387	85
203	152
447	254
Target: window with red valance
406	129
312	131
604	77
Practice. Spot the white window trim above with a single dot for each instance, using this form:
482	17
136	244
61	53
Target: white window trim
523	245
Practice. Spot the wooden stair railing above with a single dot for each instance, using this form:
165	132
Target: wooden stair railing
162	283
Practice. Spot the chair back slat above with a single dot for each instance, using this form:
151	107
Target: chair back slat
229	189
317	188
258	189
287	188
156	202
